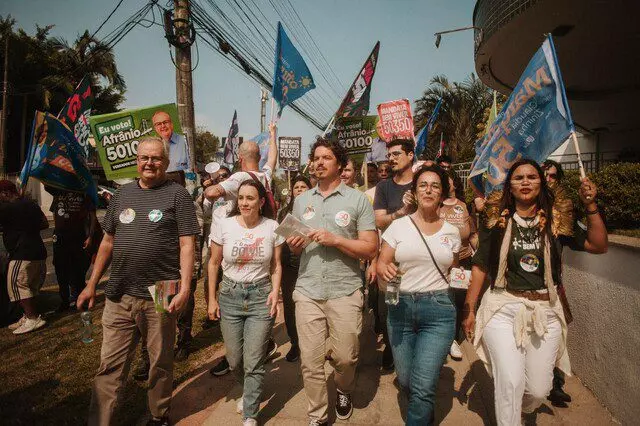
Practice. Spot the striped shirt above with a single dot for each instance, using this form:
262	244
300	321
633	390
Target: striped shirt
146	225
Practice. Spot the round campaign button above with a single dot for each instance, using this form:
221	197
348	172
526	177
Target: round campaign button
127	215
342	218
155	215
309	213
458	209
529	262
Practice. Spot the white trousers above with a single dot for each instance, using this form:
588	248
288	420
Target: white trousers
522	376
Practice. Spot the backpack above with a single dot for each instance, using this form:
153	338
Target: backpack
270	198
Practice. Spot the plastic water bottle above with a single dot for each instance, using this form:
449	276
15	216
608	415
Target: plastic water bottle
392	296
87	327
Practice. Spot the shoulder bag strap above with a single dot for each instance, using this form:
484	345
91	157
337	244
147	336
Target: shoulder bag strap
433	259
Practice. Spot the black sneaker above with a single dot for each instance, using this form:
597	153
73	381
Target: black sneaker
141	373
387	359
272	348
162	421
221	368
294	354
344	407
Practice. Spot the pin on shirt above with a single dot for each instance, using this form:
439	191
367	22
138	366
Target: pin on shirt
342	218
127	215
309	213
155	215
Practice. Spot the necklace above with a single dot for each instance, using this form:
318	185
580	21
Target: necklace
532	234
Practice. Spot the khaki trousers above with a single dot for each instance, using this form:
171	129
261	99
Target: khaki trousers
339	320
123	323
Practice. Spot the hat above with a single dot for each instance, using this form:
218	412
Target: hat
8	186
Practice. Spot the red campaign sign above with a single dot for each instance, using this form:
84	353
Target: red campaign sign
396	121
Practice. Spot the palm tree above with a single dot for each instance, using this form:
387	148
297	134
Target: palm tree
87	56
463	108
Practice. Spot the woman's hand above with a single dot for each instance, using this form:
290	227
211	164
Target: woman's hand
214	309
387	272
371	273
469	324
272	302
587	191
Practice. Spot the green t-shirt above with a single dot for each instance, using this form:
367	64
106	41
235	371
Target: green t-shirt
525	260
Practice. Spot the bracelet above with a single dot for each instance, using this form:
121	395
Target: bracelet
596	211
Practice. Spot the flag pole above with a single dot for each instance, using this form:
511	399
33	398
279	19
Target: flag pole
289	180
272	108
366	173
329	126
577	148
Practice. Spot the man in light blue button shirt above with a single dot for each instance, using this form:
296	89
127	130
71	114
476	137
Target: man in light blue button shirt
328	294
178	151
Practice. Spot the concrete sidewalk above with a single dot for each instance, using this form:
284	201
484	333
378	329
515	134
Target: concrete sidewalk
465	394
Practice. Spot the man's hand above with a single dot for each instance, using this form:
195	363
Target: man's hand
87	295
87	243
371	273
323	237
214	309
296	243
469	324
178	302
272	302
408	202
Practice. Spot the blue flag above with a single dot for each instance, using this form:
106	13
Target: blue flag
421	137
291	76
262	140
56	159
533	123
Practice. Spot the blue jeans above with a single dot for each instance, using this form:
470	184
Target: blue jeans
246	326
421	330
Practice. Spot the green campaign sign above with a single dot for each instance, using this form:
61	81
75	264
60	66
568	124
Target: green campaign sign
117	136
356	134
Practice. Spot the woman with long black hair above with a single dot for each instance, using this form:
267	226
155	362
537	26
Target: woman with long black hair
520	329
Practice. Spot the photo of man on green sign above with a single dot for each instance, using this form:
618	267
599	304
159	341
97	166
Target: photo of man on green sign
117	137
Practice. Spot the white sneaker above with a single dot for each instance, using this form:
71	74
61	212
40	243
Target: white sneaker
239	406
455	351
18	323
249	422
30	325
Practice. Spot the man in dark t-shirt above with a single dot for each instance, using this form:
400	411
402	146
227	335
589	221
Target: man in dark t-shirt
393	200
75	223
150	228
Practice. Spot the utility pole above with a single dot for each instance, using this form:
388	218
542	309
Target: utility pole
184	82
5	101
263	108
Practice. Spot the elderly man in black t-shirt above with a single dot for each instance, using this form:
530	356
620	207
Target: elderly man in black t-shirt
149	236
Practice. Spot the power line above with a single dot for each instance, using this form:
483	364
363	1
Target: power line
108	17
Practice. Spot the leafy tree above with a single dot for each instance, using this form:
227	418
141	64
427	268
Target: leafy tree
463	109
206	145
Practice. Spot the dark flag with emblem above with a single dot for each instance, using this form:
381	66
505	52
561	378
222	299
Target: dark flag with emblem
75	114
356	103
229	149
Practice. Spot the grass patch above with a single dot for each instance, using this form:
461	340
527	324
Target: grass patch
47	374
627	232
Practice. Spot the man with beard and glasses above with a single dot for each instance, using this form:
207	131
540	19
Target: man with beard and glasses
393	200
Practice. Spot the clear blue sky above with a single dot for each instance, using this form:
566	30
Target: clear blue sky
345	32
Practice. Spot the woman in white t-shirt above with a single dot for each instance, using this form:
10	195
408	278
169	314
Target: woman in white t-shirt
248	250
422	325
